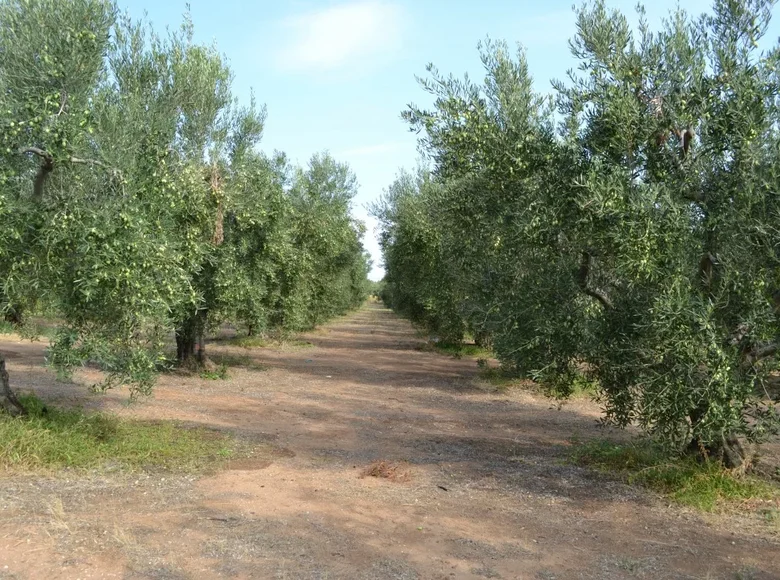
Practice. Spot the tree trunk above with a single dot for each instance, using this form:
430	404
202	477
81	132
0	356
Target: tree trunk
483	339
13	314
190	340
730	452
8	400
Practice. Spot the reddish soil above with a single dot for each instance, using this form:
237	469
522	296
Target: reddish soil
375	459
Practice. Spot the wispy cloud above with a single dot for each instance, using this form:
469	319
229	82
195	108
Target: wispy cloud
331	38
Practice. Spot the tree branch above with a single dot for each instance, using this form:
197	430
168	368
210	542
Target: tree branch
760	352
47	166
582	280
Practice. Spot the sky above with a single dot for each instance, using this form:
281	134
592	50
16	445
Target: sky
335	75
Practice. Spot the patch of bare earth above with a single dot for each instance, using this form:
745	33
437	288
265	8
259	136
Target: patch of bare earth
375	460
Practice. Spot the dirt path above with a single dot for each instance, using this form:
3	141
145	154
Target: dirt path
487	493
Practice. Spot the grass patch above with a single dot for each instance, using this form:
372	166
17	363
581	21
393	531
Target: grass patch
704	485
237	360
500	378
457	349
280	341
503	379
249	342
464	349
52	438
6	327
218	373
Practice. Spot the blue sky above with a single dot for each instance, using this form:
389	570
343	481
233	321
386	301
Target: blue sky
335	75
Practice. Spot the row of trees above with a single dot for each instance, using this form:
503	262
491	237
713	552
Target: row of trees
624	230
134	201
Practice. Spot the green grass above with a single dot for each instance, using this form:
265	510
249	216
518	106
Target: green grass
51	438
704	485
249	342
499	378
34	328
503	380
219	373
229	360
269	342
457	349
461	350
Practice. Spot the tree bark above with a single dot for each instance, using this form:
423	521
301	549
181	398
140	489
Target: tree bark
45	168
13	314
190	340
729	452
583	280
8	400
483	339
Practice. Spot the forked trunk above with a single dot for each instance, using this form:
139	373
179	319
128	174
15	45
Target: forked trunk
8	400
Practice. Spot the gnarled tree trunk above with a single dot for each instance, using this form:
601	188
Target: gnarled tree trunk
729	451
8	400
190	340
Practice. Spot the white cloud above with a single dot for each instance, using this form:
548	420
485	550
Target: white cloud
330	38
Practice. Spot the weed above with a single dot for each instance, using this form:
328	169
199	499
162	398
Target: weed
6	327
219	373
272	340
37	328
52	438
746	573
499	377
237	360
249	342
704	485
461	349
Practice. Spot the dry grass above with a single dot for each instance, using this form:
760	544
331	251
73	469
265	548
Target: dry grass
393	471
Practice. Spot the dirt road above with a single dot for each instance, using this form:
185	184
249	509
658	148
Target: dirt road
482	488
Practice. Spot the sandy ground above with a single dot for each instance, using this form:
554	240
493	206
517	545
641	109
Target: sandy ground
484	488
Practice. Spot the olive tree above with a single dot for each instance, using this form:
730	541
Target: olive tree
632	241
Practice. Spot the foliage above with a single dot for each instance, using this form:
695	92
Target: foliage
704	485
626	231
52	438
135	200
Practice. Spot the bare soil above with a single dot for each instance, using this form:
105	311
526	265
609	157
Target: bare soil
374	459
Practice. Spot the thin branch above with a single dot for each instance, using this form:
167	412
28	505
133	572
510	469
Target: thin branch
63	102
42	153
582	279
760	352
97	162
